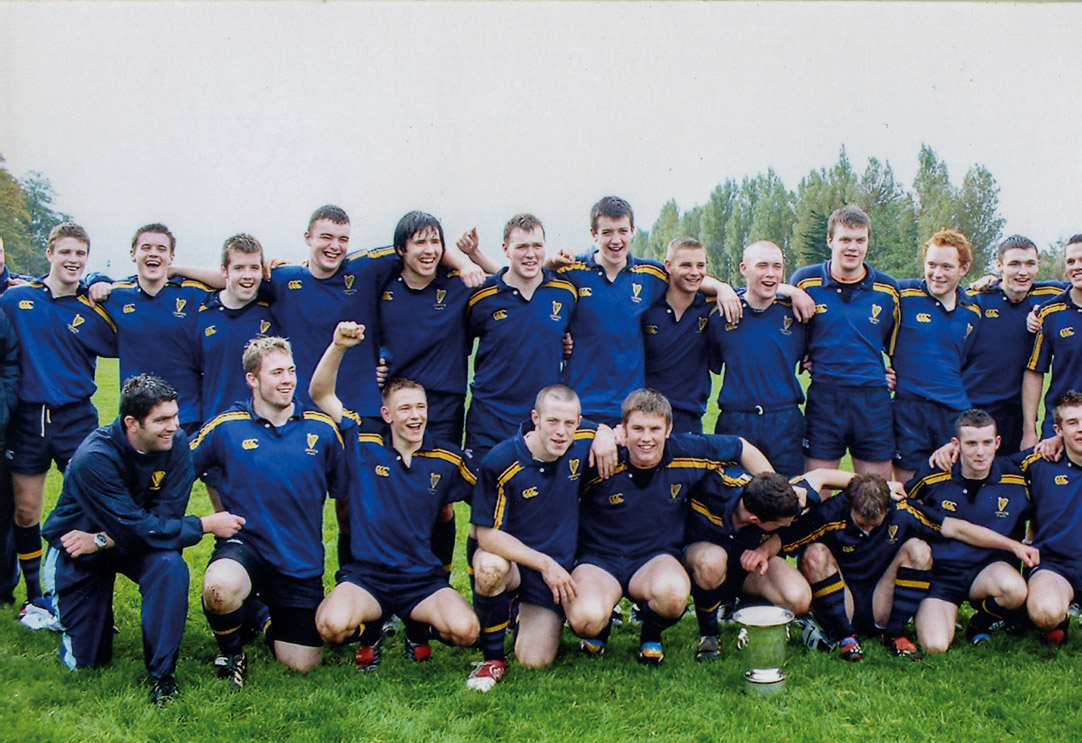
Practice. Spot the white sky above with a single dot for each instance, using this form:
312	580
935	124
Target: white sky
217	118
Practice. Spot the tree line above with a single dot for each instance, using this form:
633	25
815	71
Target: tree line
26	216
762	208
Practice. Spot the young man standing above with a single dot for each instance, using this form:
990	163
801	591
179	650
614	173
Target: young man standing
935	332
675	335
61	334
856	309
274	462
986	490
122	512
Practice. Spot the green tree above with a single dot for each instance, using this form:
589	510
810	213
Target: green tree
14	217
665	229
821	192
935	196
41	217
978	216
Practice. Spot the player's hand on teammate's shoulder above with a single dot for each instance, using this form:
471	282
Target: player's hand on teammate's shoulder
1051	448
468	242
348	334
984	282
381	372
99	291
803	304
944	457
603	452
729	303
897	491
569	345
1033	321
892	378
559	259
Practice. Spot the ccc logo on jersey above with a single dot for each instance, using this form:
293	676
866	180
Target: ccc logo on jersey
616	499
128	309
156	478
383	470
1066	333
211	330
499	315
294	284
923	317
586	292
949	505
26	304
650	330
529	493
820	309
992	314
249	444
1061	479
387	297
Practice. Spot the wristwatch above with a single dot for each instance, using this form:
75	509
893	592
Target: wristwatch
100	541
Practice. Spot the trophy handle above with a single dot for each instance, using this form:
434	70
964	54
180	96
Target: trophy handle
742	639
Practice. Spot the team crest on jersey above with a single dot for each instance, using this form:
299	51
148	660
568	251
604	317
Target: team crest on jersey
820	309
616	499
949	505
1061	479
249	444
181	304
702	324
26	304
387	296
1001	507
499	315
573	465
294	284
674	492
1066	333
441	294
348	278
636	291
156	478
892	533
76	322
556	307
969	329
650	329
586	292
264	326
128	309
529	493
383	470
434	480
730	326
786	325
313	439
991	313
923	317
211	330
877	310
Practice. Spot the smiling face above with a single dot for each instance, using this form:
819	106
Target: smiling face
152	255
67	260
1070	428
422	256
848	248
156	431
1073	258
555	424
243	274
613	240
525	251
1018	268
687	269
274	383
646	434
763	268
328	243
942	270
406	412
976	450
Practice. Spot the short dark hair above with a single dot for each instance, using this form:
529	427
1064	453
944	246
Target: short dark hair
328	211
868	495
972	418
650	402
410	225
524	222
1014	242
770	497
400	383
849	215
612	207
142	393
156	228
242	243
1073	240
1070	399
67	229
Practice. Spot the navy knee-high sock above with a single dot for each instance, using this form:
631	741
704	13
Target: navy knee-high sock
28	546
910	587
828	605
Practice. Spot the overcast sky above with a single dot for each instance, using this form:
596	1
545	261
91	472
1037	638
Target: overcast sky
217	118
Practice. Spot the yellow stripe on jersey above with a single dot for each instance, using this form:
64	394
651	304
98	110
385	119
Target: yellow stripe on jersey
696	463
700	507
584	434
315	415
100	311
1034	457
811	281
914	293
193	284
1046	290
1010	479
650	269
482	294
736	482
124	285
574	266
973	308
815	535
563	284
929	480
879	286
919	516
234	415
370	438
501	496
449	456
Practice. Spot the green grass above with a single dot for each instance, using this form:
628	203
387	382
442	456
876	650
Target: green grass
1015	690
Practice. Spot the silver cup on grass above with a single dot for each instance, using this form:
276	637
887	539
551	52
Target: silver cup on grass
764	633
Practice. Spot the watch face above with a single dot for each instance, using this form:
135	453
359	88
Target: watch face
99	540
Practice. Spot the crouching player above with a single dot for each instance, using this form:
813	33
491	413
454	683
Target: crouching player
987	490
526	511
869	564
733	514
631	526
398	486
274	462
122	512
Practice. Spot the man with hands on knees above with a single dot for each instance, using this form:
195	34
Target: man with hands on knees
122	511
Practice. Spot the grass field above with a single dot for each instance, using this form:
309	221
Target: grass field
1014	690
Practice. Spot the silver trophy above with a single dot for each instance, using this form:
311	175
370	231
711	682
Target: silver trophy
764	633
